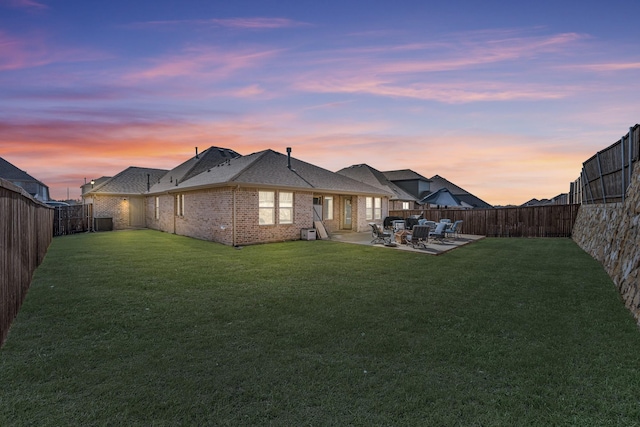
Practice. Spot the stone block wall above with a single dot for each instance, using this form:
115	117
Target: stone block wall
611	234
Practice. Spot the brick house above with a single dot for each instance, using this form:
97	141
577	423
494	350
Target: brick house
221	196
17	176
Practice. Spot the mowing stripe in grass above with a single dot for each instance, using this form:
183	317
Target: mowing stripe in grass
148	328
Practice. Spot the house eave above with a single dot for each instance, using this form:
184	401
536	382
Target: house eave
313	190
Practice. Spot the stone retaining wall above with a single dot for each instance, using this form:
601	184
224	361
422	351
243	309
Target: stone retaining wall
611	234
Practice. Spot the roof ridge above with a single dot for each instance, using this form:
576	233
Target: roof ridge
201	157
259	155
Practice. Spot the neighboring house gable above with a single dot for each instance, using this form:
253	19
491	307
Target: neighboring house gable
22	179
410	181
438	182
560	199
368	175
443	198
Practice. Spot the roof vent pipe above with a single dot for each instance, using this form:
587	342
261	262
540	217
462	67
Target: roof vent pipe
148	181
197	157
289	157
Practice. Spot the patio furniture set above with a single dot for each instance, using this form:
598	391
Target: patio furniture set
418	235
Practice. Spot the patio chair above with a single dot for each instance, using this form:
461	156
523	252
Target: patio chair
379	235
454	229
432	224
439	233
419	236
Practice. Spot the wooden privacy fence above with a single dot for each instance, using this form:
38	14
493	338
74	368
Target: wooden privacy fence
606	175
531	221
25	234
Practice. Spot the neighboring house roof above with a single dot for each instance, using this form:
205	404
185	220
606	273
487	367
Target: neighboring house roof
270	168
132	180
404	175
368	175
444	197
10	172
560	199
22	179
438	182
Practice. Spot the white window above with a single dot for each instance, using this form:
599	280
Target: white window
157	208
377	208
328	207
285	208
180	204
405	206
266	207
369	208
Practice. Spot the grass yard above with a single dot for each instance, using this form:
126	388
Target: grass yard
143	328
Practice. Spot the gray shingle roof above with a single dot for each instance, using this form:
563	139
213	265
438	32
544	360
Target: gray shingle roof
438	182
209	158
132	180
404	175
269	168
12	173
368	175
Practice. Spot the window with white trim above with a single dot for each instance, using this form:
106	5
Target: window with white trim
328	207
285	207
266	207
405	206
377	208
373	208
180	204
156	210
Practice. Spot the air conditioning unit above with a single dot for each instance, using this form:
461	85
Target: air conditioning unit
308	234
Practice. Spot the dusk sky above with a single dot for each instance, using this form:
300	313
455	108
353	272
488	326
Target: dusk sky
504	98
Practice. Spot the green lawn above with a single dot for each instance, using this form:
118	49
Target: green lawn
143	328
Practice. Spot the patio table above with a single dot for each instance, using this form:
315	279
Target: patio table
401	236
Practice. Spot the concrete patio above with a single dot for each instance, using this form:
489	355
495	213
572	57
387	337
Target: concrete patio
433	247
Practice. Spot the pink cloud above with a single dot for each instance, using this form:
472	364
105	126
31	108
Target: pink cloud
611	66
202	62
258	23
448	92
386	70
35	50
24	4
254	23
499	168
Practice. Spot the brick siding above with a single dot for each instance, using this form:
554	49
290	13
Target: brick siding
208	215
